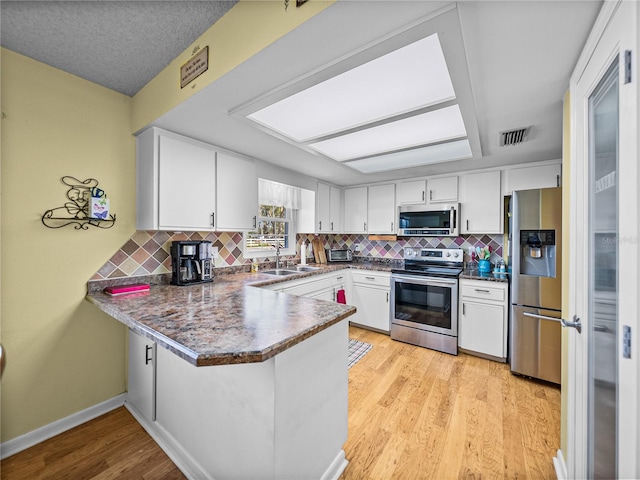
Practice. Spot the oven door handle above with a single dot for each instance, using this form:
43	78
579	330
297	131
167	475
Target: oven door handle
423	280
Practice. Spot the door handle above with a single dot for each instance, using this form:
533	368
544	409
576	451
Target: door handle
600	328
577	324
147	359
255	222
542	317
213	219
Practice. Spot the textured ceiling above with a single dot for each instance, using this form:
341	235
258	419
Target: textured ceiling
121	45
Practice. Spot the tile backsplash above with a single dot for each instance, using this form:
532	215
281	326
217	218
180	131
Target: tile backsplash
147	253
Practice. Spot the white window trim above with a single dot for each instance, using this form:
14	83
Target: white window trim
289	251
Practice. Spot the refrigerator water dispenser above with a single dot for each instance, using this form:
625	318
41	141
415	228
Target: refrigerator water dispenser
538	253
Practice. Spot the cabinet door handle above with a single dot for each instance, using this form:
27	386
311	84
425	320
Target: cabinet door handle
423	195
557	180
480	290
463	308
255	222
339	278
392	226
430	195
370	278
467	224
320	225
213	219
365	226
334	295
387	297
332	226
147	359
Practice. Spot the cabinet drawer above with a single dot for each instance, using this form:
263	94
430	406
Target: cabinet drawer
480	290
366	278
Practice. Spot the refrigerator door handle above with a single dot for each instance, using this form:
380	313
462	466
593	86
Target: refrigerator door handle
577	324
542	317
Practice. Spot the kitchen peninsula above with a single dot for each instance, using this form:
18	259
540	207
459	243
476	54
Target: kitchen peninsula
245	382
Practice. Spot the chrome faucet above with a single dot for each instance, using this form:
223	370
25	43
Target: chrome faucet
277	245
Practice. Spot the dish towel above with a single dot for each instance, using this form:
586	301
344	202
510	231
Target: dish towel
341	297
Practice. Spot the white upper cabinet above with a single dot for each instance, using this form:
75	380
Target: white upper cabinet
355	210
182	187
307	212
187	189
411	193
527	178
236	193
329	206
442	190
480	203
335	209
176	182
381	209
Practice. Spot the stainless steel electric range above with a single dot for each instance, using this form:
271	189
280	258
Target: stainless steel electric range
424	298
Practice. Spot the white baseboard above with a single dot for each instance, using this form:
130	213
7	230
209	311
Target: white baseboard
560	466
191	468
178	455
18	444
336	468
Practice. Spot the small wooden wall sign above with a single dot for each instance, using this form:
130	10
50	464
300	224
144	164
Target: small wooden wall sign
195	67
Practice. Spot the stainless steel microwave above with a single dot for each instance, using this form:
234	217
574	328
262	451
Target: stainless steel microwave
428	221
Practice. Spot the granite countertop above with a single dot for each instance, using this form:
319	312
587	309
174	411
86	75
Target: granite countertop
228	321
474	274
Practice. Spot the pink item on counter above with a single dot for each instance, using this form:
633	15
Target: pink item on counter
123	289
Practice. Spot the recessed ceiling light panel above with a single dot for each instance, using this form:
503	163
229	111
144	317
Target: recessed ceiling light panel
435	126
411	77
443	152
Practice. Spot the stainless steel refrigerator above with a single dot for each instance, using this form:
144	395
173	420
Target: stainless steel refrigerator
535	238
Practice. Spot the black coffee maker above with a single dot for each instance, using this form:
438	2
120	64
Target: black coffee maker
191	262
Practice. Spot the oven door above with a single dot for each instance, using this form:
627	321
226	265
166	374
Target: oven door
426	303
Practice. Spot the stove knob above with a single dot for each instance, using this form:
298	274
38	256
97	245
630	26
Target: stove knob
447	254
456	254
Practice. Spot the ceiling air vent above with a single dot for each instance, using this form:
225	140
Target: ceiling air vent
513	137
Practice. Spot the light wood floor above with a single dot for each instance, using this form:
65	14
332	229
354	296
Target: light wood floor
413	414
419	414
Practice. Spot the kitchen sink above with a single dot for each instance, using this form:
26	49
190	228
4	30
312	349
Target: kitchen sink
280	271
306	268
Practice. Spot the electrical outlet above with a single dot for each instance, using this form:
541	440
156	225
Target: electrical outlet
356	247
214	252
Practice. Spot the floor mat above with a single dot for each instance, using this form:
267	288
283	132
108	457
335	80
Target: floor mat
357	350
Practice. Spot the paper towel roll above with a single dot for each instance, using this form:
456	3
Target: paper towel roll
303	254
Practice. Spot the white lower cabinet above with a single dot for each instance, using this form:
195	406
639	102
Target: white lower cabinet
483	318
285	417
322	287
141	383
370	295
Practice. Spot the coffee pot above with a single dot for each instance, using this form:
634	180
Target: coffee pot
191	262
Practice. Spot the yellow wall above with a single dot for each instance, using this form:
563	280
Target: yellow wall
63	354
566	193
250	26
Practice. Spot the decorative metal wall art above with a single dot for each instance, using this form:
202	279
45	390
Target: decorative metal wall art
87	205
